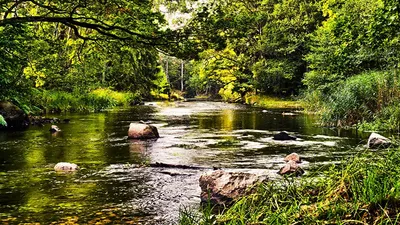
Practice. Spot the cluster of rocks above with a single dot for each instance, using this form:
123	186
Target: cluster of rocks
292	165
223	188
41	121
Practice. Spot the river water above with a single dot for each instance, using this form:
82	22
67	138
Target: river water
114	187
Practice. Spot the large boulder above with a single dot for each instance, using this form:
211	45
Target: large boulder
291	168
66	167
142	131
378	141
283	136
13	115
222	188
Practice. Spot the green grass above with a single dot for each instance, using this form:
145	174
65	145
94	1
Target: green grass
362	190
272	102
97	100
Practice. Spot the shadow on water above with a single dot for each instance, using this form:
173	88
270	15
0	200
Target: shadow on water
115	186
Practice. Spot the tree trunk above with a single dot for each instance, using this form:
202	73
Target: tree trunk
182	64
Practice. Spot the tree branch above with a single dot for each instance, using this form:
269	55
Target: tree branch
103	28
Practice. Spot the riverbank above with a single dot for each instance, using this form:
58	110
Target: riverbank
272	102
363	190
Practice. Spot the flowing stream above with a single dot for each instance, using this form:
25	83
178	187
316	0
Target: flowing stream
114	187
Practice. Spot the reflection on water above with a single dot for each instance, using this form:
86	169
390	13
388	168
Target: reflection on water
115	186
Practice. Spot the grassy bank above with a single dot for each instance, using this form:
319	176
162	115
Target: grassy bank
363	190
271	102
96	100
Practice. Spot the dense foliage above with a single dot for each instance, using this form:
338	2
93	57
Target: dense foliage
341	56
77	47
315	48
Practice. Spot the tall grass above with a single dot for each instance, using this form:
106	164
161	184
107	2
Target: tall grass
97	100
360	99
363	190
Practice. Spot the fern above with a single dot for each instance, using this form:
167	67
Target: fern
3	121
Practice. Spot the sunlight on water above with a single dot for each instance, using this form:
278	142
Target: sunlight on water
115	185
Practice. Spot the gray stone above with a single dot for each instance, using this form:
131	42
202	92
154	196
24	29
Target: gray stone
222	188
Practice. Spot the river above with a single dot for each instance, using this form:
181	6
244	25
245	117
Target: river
113	186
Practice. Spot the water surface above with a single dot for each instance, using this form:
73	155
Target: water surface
115	186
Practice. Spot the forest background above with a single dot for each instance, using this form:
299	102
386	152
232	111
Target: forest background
340	58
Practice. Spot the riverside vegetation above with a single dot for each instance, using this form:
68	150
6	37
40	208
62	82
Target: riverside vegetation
339	57
364	190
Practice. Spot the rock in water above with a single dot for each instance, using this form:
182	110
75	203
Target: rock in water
222	188
54	129
142	131
13	115
283	136
291	167
378	141
66	167
293	157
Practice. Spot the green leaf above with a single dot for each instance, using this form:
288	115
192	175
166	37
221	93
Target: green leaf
3	121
